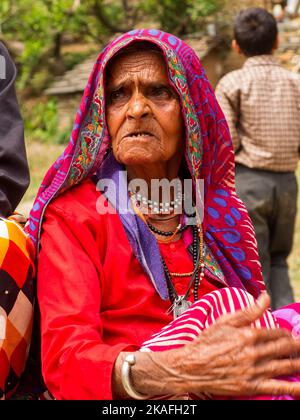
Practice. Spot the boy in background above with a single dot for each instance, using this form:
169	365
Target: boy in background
261	103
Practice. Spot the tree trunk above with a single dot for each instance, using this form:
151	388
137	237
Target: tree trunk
59	67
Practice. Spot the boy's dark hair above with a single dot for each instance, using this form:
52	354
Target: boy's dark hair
255	31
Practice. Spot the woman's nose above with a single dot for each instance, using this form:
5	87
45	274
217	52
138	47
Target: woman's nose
138	107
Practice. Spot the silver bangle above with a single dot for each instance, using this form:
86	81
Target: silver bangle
126	381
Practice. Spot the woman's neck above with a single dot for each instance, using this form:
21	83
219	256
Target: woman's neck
148	173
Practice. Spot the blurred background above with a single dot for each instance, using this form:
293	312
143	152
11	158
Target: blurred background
54	44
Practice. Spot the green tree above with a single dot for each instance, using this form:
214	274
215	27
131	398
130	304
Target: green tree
39	25
114	16
181	17
42	26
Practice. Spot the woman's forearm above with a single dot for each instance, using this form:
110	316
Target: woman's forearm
230	358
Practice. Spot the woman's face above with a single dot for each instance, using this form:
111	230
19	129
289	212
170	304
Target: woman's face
143	111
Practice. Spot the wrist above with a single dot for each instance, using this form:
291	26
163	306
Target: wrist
153	374
156	374
126	377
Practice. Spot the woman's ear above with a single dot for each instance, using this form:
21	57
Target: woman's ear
235	47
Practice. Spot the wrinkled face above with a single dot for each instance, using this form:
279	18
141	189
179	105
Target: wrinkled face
143	111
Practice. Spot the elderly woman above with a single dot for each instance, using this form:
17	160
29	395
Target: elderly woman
138	300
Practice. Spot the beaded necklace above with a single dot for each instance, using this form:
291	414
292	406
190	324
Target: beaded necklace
158	207
163	232
180	302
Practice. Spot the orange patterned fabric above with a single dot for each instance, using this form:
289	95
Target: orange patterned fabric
16	303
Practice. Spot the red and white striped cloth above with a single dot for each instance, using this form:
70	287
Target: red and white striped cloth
201	315
206	311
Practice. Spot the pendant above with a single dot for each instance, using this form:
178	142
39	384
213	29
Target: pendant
180	305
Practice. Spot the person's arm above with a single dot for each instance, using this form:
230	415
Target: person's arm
228	97
14	171
76	363
229	358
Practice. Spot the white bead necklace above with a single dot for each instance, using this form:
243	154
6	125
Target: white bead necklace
159	207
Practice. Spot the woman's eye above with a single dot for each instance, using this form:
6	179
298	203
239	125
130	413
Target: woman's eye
116	95
162	92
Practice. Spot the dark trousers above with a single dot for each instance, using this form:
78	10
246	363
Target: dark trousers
271	200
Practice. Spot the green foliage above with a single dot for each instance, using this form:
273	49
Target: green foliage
42	24
181	17
64	134
37	24
41	121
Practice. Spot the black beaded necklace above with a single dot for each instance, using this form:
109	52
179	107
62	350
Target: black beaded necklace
180	303
164	233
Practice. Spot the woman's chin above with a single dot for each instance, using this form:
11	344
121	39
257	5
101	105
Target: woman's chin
132	158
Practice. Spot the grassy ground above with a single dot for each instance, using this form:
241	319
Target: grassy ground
41	156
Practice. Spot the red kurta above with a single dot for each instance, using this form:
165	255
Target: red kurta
94	296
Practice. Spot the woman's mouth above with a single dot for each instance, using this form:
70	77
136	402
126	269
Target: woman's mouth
137	135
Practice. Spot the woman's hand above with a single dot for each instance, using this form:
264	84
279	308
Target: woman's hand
231	358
